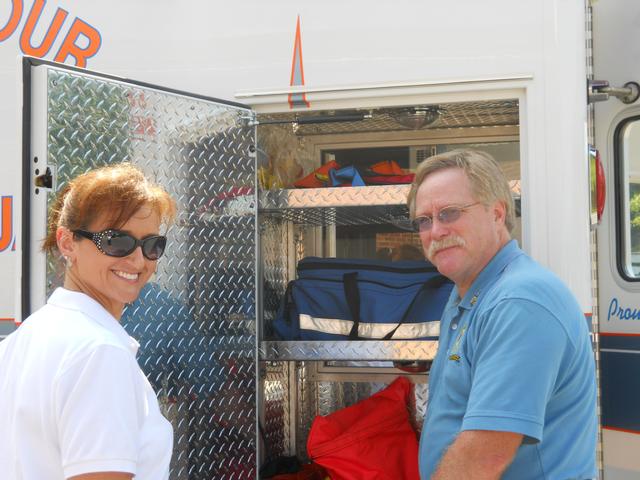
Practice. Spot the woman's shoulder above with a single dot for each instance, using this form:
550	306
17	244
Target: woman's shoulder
51	343
67	331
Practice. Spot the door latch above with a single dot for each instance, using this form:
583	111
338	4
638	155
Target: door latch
47	180
599	90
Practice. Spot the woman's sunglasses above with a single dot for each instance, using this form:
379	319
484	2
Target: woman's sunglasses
115	243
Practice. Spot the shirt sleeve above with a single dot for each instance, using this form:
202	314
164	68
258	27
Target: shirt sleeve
520	349
97	406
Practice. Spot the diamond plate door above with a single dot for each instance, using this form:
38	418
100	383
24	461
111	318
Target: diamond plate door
196	319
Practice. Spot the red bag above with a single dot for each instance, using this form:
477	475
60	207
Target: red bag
390	179
387	172
371	440
387	167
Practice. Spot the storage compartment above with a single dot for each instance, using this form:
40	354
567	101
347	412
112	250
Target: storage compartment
294	392
299	380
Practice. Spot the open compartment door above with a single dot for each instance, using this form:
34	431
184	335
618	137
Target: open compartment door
196	319
617	138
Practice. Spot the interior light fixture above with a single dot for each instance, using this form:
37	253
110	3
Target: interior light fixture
416	117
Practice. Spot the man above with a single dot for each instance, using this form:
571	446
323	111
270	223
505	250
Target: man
512	391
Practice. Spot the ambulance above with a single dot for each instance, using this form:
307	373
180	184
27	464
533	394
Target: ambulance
228	104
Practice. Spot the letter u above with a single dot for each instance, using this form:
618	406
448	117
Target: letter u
30	25
6	234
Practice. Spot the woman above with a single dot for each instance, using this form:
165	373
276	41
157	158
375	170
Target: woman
74	403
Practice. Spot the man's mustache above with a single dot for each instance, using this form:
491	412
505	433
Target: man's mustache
437	245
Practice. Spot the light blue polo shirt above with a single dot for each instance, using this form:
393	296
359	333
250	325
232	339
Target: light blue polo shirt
515	355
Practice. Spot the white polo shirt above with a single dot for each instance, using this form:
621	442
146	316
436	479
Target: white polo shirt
73	399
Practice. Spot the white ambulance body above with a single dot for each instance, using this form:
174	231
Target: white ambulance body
290	60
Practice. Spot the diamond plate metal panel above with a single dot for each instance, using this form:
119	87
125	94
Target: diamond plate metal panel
335	395
383	204
380	204
384	195
374	215
349	350
274	257
419	404
276	415
196	319
307	406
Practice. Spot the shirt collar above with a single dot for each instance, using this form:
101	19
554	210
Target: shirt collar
81	302
489	273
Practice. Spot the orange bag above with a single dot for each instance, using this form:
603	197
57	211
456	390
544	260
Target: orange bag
318	178
387	172
371	440
387	167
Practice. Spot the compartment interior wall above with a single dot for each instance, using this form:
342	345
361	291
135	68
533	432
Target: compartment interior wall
295	392
282	244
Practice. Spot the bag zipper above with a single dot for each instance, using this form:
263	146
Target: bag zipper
396	287
357	266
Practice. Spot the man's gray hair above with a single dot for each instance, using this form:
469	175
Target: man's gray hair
488	183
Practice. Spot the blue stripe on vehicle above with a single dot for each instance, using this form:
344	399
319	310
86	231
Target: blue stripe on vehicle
622	342
620	382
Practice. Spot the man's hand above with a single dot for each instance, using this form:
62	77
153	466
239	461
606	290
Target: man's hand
478	455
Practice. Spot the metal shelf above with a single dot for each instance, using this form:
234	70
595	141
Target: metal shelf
381	204
349	350
384	204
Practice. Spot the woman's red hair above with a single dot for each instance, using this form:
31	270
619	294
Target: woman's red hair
115	193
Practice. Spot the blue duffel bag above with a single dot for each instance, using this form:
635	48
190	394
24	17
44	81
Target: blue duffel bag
348	299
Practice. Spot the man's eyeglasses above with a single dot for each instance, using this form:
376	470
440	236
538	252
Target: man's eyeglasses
115	243
446	216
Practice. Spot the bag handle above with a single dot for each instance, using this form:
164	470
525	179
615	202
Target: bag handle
434	282
352	294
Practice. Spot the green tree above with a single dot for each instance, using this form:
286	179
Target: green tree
634	218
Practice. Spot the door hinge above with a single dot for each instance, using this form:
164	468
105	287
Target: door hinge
599	90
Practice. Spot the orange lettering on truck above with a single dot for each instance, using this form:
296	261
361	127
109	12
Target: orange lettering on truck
6	234
14	20
81	42
79	29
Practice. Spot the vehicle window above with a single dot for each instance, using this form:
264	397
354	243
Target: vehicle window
628	201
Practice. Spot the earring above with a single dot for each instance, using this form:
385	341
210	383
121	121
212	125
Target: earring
68	261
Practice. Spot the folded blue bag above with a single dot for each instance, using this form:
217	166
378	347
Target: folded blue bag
349	175
354	299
